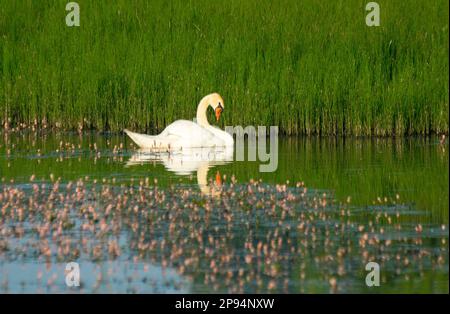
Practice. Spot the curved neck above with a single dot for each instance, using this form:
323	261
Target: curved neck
201	112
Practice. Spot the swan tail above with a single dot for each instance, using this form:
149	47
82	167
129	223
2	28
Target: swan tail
154	142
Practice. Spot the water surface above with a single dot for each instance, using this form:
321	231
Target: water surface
142	223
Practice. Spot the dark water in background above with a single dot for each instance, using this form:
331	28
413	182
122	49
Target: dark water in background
396	190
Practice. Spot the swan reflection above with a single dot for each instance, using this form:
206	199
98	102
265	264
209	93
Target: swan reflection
188	161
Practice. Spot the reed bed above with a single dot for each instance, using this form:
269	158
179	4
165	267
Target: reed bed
310	67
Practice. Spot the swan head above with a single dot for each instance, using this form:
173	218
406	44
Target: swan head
216	102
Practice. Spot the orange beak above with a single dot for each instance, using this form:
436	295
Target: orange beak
218	111
218	179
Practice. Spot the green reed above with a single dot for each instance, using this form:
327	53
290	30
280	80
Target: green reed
310	67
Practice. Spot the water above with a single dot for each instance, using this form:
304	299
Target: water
200	222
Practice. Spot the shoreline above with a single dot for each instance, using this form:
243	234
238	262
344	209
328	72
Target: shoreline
19	130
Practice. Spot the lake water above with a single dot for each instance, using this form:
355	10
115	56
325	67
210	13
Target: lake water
143	223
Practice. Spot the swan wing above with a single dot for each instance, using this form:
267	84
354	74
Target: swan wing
178	135
189	132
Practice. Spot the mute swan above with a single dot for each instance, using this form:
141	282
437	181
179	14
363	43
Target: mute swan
184	134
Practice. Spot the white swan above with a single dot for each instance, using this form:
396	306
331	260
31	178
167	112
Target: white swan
186	134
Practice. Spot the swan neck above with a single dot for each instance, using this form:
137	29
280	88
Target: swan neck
201	112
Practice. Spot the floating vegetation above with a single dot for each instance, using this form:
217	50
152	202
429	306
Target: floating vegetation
255	237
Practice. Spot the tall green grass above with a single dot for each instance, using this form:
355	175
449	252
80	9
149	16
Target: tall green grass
310	67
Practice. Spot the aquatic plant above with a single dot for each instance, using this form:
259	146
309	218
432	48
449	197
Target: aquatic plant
255	237
309	67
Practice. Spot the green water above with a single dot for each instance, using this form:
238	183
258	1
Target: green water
374	180
364	169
